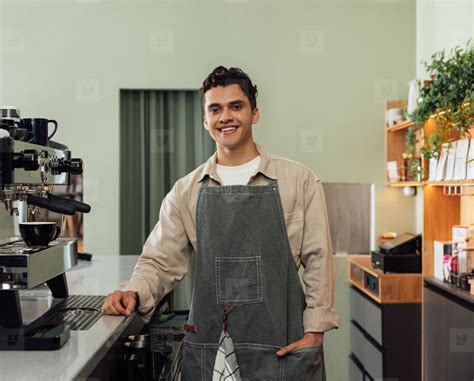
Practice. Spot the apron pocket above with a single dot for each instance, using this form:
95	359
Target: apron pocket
258	363
239	280
193	366
304	364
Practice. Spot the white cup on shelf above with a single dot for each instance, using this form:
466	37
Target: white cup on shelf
395	116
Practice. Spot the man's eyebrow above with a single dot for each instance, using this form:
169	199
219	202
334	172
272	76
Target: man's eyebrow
234	102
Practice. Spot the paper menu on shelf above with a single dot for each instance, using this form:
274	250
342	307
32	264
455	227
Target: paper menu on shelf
433	164
462	149
441	168
450	161
470	161
459	233
392	170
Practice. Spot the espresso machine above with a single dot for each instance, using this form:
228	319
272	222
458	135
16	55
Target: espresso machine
28	172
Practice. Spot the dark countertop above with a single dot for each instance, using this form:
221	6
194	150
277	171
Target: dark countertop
450	289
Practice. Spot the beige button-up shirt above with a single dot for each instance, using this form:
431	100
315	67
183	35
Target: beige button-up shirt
167	251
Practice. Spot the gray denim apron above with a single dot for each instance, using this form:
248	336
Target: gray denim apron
244	261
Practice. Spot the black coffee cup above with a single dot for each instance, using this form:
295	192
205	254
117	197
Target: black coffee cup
39	233
38	128
9	125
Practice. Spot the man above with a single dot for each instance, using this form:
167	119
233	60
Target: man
252	218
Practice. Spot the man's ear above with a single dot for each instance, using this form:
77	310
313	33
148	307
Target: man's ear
255	115
206	126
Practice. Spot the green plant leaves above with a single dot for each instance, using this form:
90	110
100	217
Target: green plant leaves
448	98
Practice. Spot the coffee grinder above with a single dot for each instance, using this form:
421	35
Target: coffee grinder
28	172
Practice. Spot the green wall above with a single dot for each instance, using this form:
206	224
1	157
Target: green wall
323	69
441	24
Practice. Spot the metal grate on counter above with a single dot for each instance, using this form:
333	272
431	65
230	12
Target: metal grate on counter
79	312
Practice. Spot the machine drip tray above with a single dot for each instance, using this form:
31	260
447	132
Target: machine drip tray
52	330
79	312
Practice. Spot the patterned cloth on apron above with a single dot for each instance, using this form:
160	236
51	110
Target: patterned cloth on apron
226	367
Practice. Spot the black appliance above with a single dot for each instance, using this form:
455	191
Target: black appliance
399	255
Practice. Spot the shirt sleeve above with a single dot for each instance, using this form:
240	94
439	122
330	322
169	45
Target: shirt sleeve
164	260
316	257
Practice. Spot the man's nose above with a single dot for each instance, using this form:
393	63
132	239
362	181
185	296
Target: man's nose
226	116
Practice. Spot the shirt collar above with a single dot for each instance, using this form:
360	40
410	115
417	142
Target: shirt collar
266	166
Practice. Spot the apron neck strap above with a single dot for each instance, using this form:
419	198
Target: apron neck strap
205	182
272	182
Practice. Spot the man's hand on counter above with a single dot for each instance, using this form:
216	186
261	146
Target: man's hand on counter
120	303
309	339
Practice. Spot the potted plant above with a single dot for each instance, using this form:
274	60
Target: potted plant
445	105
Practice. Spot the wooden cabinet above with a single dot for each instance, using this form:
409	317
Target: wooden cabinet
384	288
385	339
385	326
356	370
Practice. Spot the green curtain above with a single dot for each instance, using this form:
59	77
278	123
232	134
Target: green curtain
162	138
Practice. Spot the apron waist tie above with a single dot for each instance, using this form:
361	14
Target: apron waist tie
190	328
225	318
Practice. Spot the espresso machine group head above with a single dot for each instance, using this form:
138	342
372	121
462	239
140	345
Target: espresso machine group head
28	172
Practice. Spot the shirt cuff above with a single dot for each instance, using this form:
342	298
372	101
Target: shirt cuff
147	302
320	319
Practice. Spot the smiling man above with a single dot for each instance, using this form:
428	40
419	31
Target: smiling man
252	219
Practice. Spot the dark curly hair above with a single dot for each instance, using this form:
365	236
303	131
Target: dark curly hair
221	76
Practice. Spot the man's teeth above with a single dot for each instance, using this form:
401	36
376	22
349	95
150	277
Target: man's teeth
228	129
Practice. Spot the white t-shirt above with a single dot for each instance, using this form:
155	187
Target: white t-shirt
239	174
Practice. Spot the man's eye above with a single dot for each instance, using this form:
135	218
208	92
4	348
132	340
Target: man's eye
214	110
237	106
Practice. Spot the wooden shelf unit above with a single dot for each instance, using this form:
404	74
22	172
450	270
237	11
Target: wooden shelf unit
440	213
450	183
457	183
406	184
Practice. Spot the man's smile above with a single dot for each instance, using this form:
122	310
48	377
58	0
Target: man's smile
228	130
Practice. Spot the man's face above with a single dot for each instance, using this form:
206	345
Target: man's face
229	117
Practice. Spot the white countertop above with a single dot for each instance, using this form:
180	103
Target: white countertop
99	277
